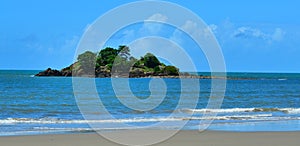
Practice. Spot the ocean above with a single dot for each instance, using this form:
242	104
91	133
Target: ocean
42	105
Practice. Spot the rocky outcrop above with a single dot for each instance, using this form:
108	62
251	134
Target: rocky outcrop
49	72
54	72
66	73
104	72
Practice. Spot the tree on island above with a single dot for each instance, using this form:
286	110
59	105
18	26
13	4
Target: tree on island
151	61
124	52
106	57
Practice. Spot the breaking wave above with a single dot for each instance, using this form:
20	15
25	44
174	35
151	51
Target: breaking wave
239	110
144	120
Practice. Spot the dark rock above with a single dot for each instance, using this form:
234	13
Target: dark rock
49	72
67	73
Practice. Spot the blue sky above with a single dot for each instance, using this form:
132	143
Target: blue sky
254	35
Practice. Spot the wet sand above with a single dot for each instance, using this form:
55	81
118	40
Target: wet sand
183	138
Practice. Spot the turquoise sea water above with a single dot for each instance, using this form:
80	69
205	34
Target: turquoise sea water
40	105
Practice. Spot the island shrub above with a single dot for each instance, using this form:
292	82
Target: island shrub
171	70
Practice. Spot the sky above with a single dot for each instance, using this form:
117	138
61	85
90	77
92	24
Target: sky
254	35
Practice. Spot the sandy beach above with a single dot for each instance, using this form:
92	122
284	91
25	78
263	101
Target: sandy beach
189	138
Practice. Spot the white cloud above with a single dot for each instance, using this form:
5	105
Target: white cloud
249	32
189	26
127	35
194	30
213	28
247	36
157	17
153	24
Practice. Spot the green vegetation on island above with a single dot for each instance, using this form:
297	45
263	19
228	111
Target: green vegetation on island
111	62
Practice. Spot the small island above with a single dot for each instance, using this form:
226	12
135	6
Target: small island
111	62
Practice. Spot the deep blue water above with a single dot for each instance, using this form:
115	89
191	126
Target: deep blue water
38	105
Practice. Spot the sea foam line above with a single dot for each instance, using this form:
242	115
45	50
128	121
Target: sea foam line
132	120
240	110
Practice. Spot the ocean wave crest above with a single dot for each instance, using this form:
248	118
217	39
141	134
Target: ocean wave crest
143	120
240	110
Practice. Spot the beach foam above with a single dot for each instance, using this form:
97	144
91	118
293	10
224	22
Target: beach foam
240	110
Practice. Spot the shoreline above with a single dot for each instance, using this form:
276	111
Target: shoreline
192	138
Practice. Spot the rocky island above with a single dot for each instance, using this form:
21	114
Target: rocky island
111	62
